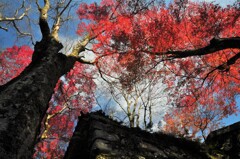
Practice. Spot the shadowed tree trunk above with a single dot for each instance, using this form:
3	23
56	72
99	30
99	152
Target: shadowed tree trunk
24	100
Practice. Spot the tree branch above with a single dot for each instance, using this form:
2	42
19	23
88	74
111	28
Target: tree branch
79	47
56	26
45	30
15	18
3	28
19	31
216	44
231	61
223	67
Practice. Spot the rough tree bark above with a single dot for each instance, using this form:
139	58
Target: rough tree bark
24	100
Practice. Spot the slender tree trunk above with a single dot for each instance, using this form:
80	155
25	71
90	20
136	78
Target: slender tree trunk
150	117
129	113
138	116
24	100
144	116
131	122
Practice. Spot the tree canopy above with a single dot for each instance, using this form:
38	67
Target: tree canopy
193	47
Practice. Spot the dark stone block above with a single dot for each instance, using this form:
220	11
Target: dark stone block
225	142
101	137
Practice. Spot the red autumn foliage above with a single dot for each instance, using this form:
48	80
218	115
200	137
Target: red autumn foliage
132	31
13	61
194	123
73	95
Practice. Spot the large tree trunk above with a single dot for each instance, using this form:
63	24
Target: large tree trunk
24	100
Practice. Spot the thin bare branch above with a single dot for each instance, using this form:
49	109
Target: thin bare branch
56	26
3	28
15	18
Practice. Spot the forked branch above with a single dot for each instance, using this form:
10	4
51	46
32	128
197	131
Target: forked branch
80	47
45	30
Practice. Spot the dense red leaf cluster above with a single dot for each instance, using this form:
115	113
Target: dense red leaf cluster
13	61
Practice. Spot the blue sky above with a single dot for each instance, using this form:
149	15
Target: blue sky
235	117
221	2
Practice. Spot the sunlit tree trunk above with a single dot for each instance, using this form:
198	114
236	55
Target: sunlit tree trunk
138	116
130	115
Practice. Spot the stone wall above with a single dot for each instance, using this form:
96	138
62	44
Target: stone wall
225	142
97	136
